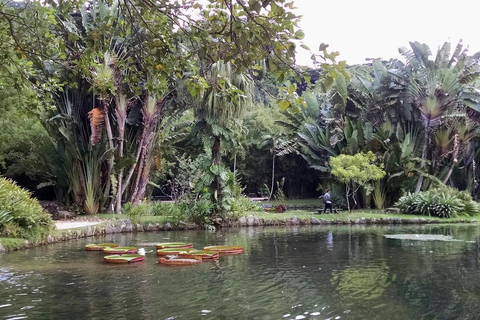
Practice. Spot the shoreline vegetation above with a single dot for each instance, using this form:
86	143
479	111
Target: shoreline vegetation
121	223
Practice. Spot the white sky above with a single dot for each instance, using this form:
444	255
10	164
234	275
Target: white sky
361	29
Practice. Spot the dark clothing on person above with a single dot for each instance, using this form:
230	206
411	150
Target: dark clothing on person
328	205
327	201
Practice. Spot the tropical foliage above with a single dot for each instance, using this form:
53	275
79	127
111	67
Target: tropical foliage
108	102
20	215
439	202
355	172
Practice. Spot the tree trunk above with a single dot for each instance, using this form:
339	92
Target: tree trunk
142	162
216	158
121	113
456	148
346	194
422	165
111	160
273	177
235	163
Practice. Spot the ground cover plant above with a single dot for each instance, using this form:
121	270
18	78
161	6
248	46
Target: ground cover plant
20	215
441	202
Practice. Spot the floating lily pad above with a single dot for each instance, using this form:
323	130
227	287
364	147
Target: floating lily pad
225	249
147	244
177	261
173	251
120	250
204	254
420	237
99	246
166	245
124	258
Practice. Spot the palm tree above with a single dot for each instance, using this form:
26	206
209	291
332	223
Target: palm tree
440	88
225	99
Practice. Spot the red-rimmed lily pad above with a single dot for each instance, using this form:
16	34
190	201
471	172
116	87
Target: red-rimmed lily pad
223	250
120	250
173	251
99	246
204	254
167	245
124	258
177	261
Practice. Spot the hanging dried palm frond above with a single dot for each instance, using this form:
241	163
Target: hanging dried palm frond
97	123
473	114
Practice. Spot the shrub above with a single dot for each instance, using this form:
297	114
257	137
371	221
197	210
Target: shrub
196	210
442	202
242	204
20	215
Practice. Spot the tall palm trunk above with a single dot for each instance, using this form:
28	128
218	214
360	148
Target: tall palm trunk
456	148
424	155
121	114
150	111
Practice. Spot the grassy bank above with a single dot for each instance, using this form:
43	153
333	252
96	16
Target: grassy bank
355	214
300	214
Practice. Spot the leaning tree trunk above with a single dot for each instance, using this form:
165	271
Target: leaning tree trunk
422	165
456	148
143	172
150	114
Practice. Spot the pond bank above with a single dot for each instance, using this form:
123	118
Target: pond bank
69	230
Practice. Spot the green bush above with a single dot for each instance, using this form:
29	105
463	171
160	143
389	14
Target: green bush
242	204
442	202
171	211
196	210
20	215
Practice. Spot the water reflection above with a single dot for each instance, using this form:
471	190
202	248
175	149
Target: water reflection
344	272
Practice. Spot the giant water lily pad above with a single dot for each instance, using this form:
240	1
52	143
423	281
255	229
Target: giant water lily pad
173	251
420	237
167	245
177	261
120	250
124	258
223	250
99	246
204	254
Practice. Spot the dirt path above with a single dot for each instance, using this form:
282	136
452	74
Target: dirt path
61	225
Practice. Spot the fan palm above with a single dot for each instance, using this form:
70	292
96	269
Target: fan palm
439	88
225	99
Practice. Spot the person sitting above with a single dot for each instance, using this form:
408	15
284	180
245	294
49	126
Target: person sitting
327	200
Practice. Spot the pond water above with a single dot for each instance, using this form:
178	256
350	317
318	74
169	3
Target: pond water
311	272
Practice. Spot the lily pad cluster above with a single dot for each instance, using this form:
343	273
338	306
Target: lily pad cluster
177	253
116	253
170	253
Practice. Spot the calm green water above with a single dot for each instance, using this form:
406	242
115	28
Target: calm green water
337	272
